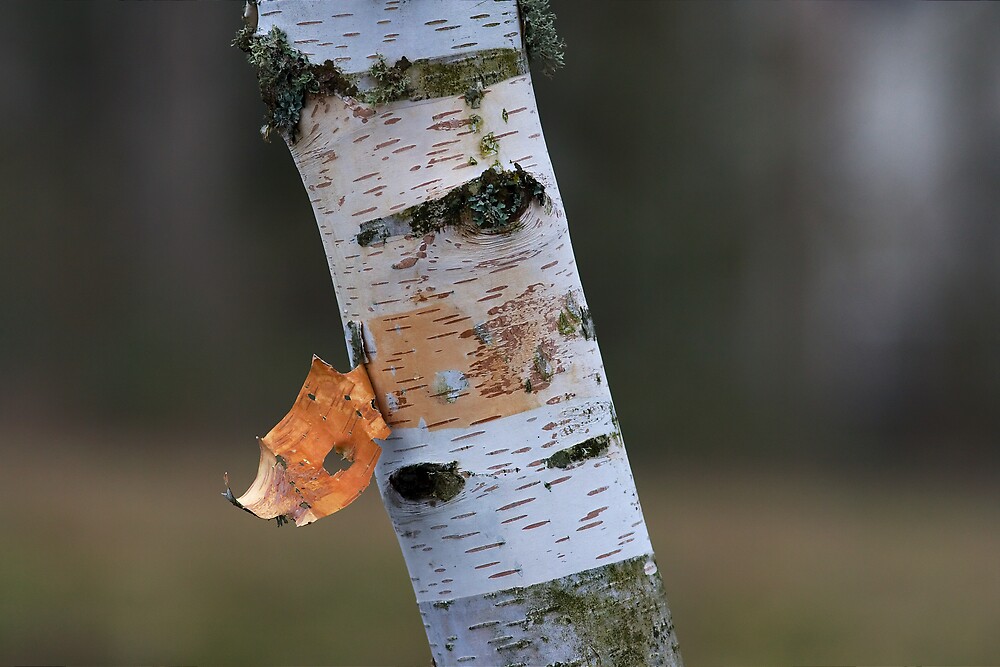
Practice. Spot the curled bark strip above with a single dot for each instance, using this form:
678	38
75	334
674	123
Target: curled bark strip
332	412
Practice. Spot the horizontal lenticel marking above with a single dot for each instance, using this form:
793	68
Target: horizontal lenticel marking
530	526
516	518
505	573
514	504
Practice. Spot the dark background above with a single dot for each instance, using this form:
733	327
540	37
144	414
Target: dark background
786	220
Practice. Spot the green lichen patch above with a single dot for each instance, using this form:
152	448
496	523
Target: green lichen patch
574	318
499	197
567	322
428	482
491	203
391	81
544	45
489	145
428	78
588	449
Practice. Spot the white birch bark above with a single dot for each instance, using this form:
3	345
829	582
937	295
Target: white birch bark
480	349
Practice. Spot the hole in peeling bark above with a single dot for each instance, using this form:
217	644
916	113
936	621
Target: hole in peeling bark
321	456
428	482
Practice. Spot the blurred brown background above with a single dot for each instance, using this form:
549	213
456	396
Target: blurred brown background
786	220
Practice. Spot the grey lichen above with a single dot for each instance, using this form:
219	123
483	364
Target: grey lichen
588	449
244	37
544	45
482	332
428	482
587	324
286	78
543	364
474	95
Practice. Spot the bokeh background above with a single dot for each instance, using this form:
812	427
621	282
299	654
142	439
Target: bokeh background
786	218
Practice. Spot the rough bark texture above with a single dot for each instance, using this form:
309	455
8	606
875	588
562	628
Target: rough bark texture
505	475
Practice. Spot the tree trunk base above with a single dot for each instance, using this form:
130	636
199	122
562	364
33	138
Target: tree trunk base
611	615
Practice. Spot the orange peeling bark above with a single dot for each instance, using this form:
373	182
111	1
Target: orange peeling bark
333	411
499	357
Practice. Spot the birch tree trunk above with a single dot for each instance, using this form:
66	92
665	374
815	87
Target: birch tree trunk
505	475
